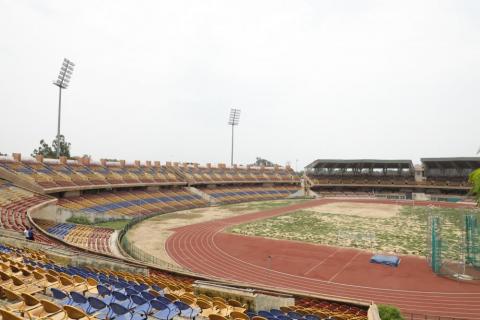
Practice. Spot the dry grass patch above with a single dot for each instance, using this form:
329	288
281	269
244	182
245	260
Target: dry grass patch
376	227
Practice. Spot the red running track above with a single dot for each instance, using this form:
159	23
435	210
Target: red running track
330	271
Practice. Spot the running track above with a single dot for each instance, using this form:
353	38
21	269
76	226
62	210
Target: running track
329	271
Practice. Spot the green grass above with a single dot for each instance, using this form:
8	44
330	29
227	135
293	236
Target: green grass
79	220
113	224
404	233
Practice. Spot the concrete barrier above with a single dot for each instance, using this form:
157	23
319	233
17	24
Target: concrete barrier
255	301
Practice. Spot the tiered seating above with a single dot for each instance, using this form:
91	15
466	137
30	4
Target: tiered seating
14	203
54	175
33	287
255	193
359	194
325	309
134	203
362	179
447	181
221	174
88	237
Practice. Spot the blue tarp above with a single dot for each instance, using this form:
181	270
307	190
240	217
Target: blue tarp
392	261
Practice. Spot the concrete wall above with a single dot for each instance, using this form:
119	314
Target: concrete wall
60	214
204	195
255	301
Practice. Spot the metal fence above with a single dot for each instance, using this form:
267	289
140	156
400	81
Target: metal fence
137	253
453	244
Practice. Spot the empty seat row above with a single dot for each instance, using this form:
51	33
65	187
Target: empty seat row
54	174
206	175
14	203
255	193
130	204
71	174
32	286
89	237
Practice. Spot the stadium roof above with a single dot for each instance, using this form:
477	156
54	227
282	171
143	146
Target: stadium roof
360	163
455	162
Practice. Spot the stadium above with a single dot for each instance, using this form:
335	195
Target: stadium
239	233
249	160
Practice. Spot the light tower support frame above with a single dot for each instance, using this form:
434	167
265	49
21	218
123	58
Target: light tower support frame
233	121
62	82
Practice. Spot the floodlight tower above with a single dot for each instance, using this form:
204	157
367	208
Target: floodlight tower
62	82
233	121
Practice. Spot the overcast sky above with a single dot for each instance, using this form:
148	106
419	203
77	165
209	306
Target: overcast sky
154	80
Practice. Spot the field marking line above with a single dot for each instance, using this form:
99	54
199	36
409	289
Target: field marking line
321	262
346	265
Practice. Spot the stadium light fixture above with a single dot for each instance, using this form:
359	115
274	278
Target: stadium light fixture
62	82
233	121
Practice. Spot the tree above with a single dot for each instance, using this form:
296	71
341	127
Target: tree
259	162
474	179
45	150
51	151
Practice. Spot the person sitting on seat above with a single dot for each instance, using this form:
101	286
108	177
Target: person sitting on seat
30	234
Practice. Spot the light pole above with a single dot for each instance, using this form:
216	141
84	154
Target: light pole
62	83
233	121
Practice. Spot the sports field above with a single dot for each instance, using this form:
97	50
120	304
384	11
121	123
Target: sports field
386	228
141	234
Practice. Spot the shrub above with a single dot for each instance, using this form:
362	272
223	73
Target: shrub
389	312
79	220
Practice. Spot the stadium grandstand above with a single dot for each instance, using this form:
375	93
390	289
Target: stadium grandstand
108	191
448	172
47	193
56	176
36	287
42	193
434	177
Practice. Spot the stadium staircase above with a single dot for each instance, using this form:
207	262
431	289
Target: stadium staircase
211	200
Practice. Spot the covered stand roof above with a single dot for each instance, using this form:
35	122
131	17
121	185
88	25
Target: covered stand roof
361	164
452	163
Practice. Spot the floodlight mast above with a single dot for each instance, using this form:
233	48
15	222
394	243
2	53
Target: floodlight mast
233	121
62	82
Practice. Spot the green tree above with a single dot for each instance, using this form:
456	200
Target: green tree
475	181
51	151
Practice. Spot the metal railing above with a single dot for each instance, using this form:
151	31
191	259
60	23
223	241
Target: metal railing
135	252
